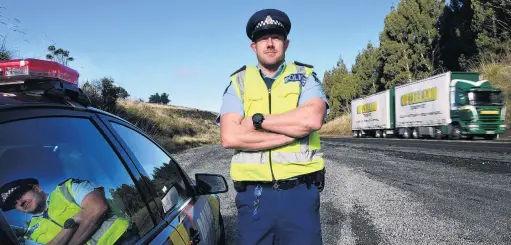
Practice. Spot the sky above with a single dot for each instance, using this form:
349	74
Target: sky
187	49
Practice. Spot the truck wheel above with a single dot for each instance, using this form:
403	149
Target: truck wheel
438	134
456	132
406	133
378	134
384	134
415	133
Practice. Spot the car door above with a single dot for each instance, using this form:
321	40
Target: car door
193	217
55	145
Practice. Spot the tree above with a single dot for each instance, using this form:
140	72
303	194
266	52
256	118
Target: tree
12	26
475	30
367	70
410	41
164	99
457	40
492	23
59	55
122	93
155	98
340	88
159	99
103	93
5	54
94	90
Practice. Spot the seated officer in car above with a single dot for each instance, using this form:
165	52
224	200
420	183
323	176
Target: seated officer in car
75	212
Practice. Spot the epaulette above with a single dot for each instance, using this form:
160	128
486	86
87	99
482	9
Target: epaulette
303	64
241	69
61	183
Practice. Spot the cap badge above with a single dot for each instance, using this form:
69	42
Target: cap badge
268	20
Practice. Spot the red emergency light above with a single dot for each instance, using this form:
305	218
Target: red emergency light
19	70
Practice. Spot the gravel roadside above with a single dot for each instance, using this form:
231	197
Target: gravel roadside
389	195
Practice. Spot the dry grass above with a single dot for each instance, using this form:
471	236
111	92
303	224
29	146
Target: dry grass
175	128
340	126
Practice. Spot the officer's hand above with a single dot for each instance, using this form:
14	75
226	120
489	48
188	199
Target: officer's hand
78	217
247	123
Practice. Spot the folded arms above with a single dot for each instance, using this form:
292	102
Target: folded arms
238	132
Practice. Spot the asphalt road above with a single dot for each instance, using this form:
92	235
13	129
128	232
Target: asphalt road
503	146
395	192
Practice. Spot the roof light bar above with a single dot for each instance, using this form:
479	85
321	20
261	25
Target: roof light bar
17	71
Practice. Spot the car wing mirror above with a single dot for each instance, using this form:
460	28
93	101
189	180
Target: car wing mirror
210	184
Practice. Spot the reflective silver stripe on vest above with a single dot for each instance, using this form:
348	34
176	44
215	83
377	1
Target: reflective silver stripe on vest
240	79
300	69
66	193
305	155
260	157
108	220
250	157
292	157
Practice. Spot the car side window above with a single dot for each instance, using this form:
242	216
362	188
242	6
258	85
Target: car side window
57	168
163	172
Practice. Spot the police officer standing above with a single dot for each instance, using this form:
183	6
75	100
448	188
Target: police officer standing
270	115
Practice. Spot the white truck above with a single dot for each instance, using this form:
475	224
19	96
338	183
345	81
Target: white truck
449	105
422	107
373	115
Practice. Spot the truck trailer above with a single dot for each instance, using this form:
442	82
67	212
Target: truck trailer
454	105
373	115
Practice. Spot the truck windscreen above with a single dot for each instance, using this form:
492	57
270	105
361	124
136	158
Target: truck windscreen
485	98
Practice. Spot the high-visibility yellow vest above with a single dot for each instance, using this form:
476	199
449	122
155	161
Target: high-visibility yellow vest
300	157
61	208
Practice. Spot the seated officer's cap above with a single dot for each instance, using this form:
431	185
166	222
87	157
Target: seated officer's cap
268	21
10	192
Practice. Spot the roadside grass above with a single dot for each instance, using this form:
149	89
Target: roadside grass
340	126
175	128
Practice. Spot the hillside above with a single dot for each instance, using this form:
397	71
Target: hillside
175	128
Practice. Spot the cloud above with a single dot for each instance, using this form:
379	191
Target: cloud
185	71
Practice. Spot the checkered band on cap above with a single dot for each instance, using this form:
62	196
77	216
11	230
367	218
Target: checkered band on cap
8	193
269	21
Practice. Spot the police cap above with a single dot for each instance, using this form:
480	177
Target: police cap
12	191
268	21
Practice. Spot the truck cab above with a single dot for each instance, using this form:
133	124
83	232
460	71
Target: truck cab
477	108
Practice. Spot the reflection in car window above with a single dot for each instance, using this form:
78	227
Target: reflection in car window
53	169
163	173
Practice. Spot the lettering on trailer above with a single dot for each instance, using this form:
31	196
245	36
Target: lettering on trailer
416	97
366	108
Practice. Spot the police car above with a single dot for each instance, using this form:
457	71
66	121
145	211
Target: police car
73	173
